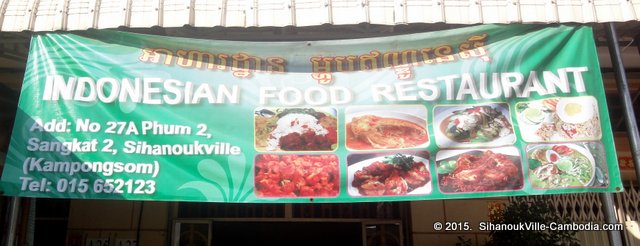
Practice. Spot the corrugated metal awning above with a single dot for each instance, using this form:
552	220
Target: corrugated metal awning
51	15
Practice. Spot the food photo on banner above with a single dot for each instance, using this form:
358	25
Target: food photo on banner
482	111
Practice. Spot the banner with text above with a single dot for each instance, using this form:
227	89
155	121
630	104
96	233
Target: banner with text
492	110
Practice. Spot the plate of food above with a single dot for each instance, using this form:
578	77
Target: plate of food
389	128
560	166
559	119
391	175
295	129
575	110
479	170
294	175
473	125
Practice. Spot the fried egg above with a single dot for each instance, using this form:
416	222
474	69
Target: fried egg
575	110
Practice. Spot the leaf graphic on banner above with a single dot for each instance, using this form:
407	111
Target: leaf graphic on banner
214	171
239	175
236	189
208	190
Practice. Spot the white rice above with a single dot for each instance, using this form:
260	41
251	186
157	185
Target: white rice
290	123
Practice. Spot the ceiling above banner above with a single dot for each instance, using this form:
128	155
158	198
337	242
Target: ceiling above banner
51	15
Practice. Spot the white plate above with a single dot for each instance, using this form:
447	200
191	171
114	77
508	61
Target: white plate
528	130
325	110
351	170
390	114
443	141
413	113
546	117
586	105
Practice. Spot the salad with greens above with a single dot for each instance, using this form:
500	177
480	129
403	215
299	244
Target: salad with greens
560	166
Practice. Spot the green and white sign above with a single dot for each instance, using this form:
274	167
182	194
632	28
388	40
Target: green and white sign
493	110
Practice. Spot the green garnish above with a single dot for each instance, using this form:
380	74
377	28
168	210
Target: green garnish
521	107
403	161
447	167
534	163
564	165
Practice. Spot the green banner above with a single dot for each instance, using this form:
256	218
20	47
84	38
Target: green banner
484	111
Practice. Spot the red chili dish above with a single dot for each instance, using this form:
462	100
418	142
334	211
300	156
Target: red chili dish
297	175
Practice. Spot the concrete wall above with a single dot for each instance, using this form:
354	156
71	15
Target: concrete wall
425	213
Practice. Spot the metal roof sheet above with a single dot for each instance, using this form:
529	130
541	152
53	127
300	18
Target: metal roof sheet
51	15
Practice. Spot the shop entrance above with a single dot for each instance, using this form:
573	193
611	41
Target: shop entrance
369	224
287	232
